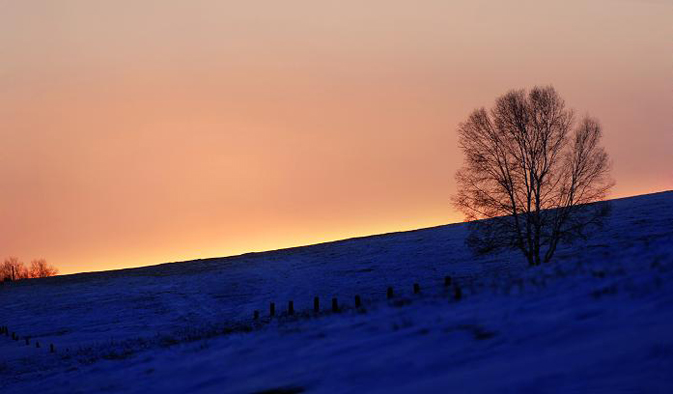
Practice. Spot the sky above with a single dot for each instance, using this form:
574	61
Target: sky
141	132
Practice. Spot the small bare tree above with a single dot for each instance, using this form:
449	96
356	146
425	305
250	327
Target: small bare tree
13	269
41	269
532	176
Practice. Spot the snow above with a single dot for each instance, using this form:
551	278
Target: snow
599	318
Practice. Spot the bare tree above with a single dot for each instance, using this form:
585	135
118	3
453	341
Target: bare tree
533	175
41	269
13	269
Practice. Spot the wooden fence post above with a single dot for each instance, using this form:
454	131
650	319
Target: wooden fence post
335	305
358	301
316	304
290	308
272	309
457	293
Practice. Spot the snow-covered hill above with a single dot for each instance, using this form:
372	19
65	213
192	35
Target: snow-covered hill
599	318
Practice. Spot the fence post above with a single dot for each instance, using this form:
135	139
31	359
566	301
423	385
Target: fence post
389	293
51	348
255	315
417	288
447	281
272	309
457	293
335	305
316	304
358	301
290	308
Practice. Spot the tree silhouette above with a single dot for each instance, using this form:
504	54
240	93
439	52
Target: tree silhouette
532	176
41	269
14	269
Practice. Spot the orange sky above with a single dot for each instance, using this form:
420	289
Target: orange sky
140	132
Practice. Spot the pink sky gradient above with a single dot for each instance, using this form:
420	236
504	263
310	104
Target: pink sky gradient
140	132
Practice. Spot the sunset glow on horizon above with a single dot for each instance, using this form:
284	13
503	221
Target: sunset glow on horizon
141	132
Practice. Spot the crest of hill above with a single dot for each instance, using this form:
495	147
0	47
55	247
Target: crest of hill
331	248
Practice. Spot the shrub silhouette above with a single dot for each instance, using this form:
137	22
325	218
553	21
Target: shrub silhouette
13	269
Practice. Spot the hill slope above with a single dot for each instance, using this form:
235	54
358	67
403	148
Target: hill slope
601	316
